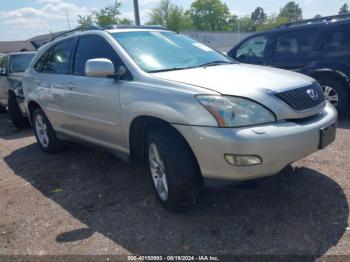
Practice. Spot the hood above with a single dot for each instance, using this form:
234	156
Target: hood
237	79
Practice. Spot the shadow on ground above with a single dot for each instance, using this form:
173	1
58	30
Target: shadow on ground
301	212
9	132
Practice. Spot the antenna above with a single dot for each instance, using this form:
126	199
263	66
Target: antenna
68	23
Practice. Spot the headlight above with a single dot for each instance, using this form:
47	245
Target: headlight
230	111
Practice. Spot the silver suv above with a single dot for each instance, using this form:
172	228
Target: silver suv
194	116
12	67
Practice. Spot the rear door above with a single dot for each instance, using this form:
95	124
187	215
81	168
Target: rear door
253	51
294	49
52	78
92	103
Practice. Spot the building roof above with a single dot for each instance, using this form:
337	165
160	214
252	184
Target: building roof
16	46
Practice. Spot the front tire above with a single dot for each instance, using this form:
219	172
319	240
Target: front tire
337	94
15	113
44	133
173	169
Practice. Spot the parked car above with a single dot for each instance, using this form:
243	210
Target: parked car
318	47
12	67
192	114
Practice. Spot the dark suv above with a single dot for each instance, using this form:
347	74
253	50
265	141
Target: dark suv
317	47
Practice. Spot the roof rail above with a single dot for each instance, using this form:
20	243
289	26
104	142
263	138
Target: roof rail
107	27
159	27
78	29
316	20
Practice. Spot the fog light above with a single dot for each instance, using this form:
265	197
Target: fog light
243	160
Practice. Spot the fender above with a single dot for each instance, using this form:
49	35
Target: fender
339	69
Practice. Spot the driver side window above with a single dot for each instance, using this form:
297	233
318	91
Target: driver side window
252	49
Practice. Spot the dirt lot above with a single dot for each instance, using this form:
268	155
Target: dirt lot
84	201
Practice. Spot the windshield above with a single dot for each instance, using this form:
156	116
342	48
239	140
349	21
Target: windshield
156	51
19	63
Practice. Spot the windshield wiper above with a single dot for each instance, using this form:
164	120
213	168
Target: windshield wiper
214	63
168	69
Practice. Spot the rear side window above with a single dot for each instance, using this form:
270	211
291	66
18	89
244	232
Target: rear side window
90	47
295	43
338	39
57	60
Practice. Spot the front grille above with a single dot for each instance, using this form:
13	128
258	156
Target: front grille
304	98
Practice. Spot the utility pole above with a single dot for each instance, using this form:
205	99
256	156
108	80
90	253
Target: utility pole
137	12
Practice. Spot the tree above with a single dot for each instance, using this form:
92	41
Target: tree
243	24
258	16
271	22
169	15
209	15
344	9
292	12
105	16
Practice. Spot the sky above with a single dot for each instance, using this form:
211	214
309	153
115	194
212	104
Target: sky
23	19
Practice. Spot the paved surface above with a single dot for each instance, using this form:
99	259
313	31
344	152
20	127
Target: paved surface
84	201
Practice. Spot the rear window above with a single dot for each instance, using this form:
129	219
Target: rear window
19	63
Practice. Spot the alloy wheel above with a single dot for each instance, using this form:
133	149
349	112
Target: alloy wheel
157	169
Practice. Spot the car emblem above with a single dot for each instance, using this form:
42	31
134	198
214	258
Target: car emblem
312	94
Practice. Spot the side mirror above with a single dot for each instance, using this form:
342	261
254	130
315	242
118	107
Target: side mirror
99	67
3	71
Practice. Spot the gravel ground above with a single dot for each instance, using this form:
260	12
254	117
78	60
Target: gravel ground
83	201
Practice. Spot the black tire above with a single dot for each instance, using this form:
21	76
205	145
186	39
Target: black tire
181	169
54	144
15	113
343	92
2	109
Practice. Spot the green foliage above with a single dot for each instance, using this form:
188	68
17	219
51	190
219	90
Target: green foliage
243	24
292	12
105	16
209	15
170	15
344	9
271	22
258	16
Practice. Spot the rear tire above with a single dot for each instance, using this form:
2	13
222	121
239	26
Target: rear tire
15	113
336	88
178	165
2	109
45	134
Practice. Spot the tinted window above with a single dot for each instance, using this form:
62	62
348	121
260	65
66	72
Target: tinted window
19	63
252	48
295	43
338	39
90	47
57	59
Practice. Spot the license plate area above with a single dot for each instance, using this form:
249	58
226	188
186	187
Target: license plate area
327	135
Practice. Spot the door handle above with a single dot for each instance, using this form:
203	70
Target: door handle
58	86
70	86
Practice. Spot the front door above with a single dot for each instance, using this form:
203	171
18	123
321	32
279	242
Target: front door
92	103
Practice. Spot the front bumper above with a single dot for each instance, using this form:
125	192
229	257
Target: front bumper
278	144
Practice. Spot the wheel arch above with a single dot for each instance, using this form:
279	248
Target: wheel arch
332	74
139	128
32	105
